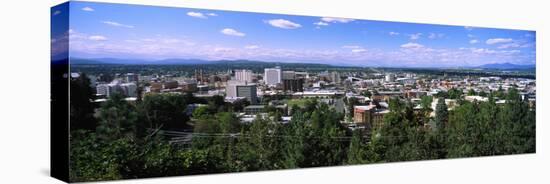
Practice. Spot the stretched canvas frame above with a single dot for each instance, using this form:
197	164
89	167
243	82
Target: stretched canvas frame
145	91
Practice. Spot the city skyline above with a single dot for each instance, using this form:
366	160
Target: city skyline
155	33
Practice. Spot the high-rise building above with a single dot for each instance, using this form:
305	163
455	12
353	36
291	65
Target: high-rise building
272	76
126	89
369	116
243	75
189	86
170	84
289	75
102	89
131	77
129	89
244	89
390	77
294	85
335	77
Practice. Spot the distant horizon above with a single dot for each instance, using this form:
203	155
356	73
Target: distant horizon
120	31
282	62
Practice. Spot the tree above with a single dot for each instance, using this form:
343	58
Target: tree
256	147
116	119
164	110
356	152
239	105
201	112
352	102
217	104
441	114
454	93
471	92
292	146
426	104
81	105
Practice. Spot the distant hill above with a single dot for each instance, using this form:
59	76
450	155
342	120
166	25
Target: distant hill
103	61
506	66
81	61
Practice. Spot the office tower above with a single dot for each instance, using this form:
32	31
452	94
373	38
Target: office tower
390	77
293	85
243	75
102	89
289	75
131	77
272	76
235	89
129	89
335	77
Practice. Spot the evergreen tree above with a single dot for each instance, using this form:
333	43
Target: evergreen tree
441	114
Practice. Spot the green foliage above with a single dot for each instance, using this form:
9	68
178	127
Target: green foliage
117	119
471	92
351	103
357	152
441	114
314	137
165	110
81	106
201	112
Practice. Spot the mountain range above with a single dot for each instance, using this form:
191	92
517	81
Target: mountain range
82	61
506	66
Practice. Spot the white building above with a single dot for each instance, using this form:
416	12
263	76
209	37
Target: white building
129	89
390	77
103	89
131	77
335	77
272	76
243	75
126	89
241	89
289	75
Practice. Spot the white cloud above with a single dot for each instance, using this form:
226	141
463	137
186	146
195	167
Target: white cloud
171	40
483	51
231	32
335	20
509	45
116	24
511	51
358	50
469	28
284	24
393	33
223	49
498	40
412	45
88	9
212	14
251	47
148	40
97	38
57	12
434	35
321	23
131	41
196	15
415	36
490	51
471	36
474	41
351	47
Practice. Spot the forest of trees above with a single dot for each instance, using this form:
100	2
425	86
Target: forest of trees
123	140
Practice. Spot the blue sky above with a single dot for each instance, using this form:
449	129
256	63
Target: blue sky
99	30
